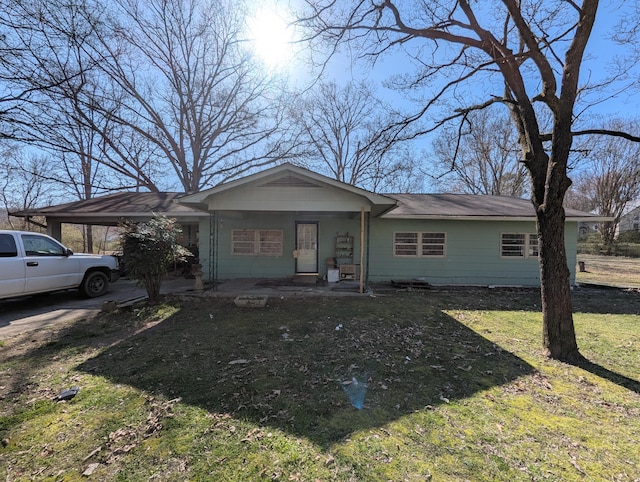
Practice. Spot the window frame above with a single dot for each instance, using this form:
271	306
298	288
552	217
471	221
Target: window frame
257	242
420	245
528	248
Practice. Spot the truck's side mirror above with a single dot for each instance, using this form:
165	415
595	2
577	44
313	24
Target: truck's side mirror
67	252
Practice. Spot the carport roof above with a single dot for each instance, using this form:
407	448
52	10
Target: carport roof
113	208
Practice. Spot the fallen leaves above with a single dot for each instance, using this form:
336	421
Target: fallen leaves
125	439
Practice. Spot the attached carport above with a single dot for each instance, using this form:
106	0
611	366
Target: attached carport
113	209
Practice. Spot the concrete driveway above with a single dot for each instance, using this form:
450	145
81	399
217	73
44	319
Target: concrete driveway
21	315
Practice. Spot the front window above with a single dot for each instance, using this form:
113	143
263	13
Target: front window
406	244
519	245
8	247
256	242
413	244
433	244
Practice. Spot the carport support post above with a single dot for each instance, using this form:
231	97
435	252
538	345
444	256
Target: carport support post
54	229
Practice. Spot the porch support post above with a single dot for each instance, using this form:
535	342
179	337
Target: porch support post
54	229
361	250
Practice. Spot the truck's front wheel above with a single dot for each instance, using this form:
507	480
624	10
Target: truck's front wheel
94	284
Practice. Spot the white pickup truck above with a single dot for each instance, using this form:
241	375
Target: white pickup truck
33	263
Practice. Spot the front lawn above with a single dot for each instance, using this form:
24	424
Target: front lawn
198	389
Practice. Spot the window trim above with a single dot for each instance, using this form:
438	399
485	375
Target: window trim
420	244
530	249
257	243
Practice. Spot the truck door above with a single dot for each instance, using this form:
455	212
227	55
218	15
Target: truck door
12	268
47	267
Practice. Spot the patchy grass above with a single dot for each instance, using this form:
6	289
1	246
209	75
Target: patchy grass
203	390
614	271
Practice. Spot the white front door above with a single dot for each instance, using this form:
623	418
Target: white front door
307	247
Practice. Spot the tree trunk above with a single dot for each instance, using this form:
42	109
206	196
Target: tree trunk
559	339
89	231
152	284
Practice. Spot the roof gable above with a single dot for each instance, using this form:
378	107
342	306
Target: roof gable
288	188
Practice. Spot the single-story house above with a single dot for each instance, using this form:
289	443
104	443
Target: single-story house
287	221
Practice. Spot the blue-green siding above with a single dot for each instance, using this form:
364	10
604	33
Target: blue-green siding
472	253
232	266
472	249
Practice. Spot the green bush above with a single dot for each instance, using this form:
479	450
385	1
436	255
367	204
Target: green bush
629	237
590	244
148	251
629	250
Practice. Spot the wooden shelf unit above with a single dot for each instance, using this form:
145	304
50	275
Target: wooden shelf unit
344	256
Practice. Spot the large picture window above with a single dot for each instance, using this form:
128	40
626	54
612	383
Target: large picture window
419	245
519	245
256	242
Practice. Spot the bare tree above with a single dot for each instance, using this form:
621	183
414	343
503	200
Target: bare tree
24	183
476	54
610	178
169	87
483	158
25	72
343	135
186	84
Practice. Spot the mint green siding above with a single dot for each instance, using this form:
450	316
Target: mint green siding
229	266
472	253
571	248
472	249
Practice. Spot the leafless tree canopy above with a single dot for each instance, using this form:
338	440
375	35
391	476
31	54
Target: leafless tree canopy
23	183
188	86
343	134
610	177
150	90
483	158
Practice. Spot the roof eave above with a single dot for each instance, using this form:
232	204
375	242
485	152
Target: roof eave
492	218
462	218
135	214
590	219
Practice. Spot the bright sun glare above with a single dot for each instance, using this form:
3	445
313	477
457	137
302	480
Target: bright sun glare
271	38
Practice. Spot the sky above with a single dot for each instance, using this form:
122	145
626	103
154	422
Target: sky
345	67
600	57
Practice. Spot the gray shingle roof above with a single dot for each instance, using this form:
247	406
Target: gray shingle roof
468	206
121	203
